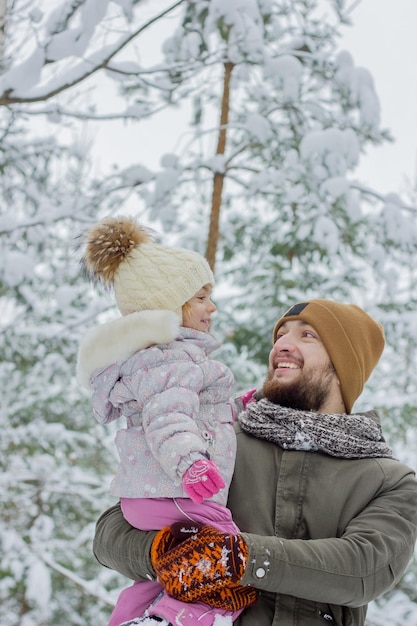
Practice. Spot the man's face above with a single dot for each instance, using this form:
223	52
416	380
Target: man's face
300	375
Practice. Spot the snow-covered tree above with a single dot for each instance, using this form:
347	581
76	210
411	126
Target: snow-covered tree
263	181
54	463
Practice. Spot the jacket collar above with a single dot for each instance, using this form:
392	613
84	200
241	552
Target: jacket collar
122	337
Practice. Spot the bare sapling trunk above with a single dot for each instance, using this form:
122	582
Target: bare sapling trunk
218	181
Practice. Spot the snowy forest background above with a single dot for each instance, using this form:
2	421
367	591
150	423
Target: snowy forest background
272	118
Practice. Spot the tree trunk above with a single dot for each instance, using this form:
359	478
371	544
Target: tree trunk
216	199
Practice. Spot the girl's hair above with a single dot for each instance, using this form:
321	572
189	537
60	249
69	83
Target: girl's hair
185	307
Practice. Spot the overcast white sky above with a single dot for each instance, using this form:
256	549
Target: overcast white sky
384	40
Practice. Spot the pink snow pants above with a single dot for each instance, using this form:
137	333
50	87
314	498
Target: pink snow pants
150	596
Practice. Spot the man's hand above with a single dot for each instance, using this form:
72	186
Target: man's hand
207	566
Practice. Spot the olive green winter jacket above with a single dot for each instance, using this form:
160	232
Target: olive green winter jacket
325	535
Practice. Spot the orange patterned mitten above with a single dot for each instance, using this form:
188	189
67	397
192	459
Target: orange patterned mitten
202	566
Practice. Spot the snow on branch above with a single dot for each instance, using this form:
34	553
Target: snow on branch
92	587
22	81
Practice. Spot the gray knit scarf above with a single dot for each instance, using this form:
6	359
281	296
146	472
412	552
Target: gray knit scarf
345	436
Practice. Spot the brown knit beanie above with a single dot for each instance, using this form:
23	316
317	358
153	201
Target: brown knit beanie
144	274
353	340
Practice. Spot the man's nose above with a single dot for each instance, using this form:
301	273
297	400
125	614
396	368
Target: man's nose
285	343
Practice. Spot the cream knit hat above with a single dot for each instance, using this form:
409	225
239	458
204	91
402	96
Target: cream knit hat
145	275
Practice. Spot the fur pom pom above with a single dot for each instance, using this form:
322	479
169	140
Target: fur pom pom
107	245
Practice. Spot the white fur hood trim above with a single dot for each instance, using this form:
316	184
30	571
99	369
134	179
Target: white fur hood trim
120	338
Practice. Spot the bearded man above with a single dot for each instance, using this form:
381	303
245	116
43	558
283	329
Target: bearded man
328	517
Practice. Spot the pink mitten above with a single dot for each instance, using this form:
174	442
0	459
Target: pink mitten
202	480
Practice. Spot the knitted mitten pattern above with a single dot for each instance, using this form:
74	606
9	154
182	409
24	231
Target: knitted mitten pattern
207	566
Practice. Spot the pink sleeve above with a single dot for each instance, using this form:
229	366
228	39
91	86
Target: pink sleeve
247	397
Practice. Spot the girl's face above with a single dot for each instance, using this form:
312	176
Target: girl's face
196	313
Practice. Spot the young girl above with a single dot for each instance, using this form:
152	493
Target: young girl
152	367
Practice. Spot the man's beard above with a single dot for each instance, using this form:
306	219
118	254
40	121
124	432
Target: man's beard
307	393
